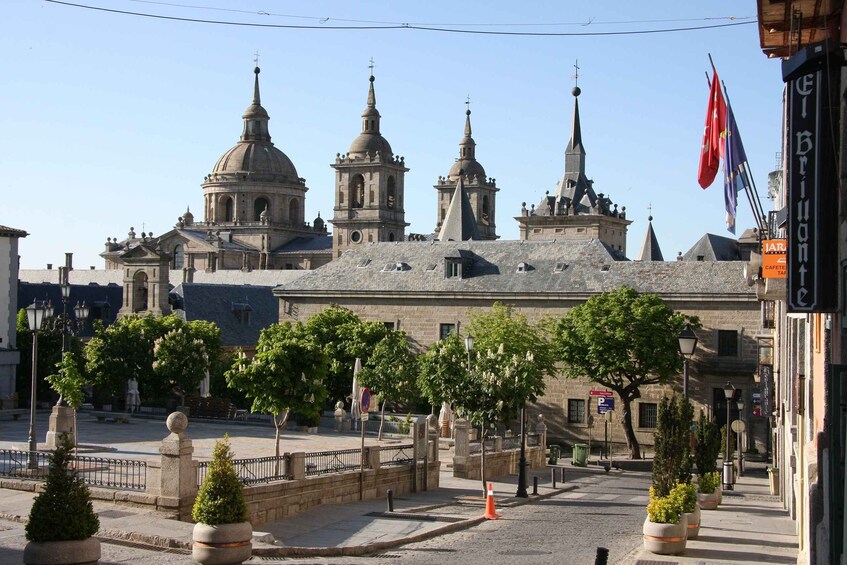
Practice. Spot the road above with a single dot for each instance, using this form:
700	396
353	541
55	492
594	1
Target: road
605	511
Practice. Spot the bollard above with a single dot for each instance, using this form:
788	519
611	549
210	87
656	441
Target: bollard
553	473
535	485
390	496
602	557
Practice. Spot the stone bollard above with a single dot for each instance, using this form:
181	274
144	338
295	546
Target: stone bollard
173	479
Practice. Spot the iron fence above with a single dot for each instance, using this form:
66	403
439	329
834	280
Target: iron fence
511	442
126	474
255	470
325	462
396	455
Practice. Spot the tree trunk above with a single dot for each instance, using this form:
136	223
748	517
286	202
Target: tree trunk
381	420
482	433
629	432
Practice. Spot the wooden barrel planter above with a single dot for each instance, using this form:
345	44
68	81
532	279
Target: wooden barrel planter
707	501
693	523
222	544
665	539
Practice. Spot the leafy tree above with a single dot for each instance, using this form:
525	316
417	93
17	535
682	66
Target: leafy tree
442	370
121	352
180	362
68	383
390	371
343	336
287	374
622	340
49	353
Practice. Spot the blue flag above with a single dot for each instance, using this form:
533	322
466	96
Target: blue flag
734	167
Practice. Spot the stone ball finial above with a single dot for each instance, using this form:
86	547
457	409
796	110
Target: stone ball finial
177	422
576	91
649	218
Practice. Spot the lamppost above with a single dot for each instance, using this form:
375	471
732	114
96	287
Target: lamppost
35	314
729	392
66	294
687	345
469	348
740	434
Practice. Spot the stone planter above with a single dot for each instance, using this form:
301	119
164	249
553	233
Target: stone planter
708	501
773	481
693	519
665	539
223	544
76	552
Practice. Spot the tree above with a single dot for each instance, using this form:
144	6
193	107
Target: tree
49	353
287	374
120	352
68	383
672	462
180	362
622	340
390	371
707	445
343	336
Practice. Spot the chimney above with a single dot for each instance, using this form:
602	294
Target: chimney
49	266
69	261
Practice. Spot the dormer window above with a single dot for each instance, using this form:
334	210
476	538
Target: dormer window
395	267
452	268
560	267
524	268
242	311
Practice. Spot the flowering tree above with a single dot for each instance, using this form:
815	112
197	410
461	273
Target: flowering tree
180	362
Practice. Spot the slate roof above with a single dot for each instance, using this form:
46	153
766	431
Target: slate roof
104	301
713	248
220	303
302	244
115	276
560	268
650	250
6	231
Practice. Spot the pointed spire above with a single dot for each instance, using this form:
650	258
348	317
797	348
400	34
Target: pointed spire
459	222
255	116
650	250
575	153
467	147
257	100
370	116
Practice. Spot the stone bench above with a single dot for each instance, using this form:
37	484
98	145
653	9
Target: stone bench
15	413
113	416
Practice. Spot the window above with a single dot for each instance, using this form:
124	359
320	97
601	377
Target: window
647	413
389	325
576	411
178	261
452	268
445	330
259	206
727	343
392	192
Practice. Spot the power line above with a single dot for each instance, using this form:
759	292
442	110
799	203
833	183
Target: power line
416	27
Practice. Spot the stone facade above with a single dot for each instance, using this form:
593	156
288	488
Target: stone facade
9	355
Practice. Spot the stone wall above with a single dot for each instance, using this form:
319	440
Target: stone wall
497	463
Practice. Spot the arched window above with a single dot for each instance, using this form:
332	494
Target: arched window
228	209
392	192
139	292
260	205
294	211
357	191
178	260
391	236
486	211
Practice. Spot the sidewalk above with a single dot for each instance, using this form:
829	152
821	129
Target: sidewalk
750	527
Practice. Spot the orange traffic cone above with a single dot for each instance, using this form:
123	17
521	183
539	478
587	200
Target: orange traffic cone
490	512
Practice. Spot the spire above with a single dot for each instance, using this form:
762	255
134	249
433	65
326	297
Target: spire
255	116
575	153
459	223
650	250
370	116
467	147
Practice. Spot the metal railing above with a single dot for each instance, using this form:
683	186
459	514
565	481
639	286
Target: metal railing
325	462
511	442
255	470
396	455
129	474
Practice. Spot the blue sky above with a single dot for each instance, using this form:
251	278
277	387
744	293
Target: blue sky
109	121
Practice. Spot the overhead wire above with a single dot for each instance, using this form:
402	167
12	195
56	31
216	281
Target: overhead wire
394	25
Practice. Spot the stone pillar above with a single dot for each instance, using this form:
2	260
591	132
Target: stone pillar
297	465
61	422
462	447
373	457
498	444
175	480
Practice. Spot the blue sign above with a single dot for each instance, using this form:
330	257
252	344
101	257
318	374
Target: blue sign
605	404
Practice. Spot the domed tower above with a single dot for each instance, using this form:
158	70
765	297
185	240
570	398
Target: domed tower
369	188
481	191
253	194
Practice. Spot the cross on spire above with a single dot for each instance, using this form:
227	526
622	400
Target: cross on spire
256	57
371	66
468	102
576	73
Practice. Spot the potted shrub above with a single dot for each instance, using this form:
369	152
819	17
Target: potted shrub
222	533
707	491
687	494
666	525
62	520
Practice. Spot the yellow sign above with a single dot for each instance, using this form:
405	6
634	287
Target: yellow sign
774	265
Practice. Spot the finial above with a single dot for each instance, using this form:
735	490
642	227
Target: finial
468	104
576	90
650	212
371	67
256	58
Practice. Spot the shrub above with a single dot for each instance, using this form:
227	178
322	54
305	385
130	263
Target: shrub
708	482
63	511
686	495
220	499
672	461
707	445
663	509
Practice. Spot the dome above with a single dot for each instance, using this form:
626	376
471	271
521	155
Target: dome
370	143
257	158
472	169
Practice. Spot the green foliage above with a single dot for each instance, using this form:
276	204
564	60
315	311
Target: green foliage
69	381
343	336
707	445
180	363
622	340
63	510
49	353
391	371
732	441
220	499
664	509
442	370
707	483
686	493
672	461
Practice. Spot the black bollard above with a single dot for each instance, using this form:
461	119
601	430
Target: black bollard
602	556
553	475
535	485
390	495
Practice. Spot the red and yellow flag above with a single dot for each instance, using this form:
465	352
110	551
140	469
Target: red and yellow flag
712	147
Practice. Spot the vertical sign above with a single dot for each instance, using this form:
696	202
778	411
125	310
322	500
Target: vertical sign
766	384
812	184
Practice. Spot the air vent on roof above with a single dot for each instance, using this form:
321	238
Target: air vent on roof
364	263
605	268
524	268
431	267
395	267
560	267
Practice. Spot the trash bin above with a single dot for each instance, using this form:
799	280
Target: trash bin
580	455
554	455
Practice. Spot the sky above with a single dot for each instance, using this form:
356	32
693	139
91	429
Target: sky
110	121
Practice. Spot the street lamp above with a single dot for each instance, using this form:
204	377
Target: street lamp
35	314
729	392
687	345
66	294
469	348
